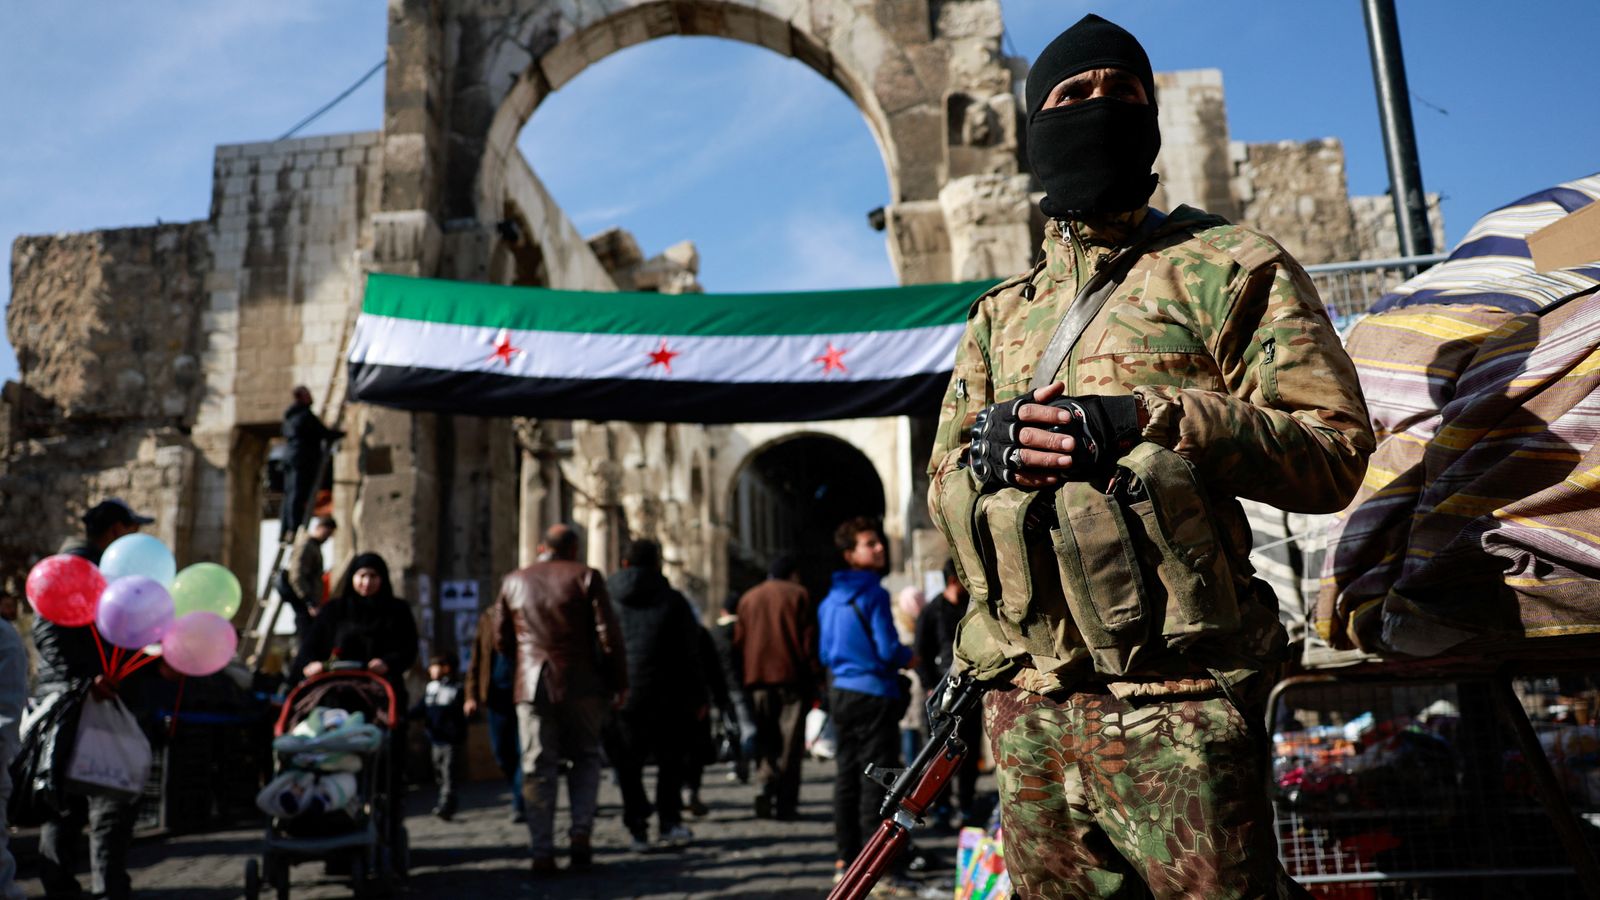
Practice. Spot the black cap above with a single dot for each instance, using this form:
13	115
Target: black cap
1093	43
109	512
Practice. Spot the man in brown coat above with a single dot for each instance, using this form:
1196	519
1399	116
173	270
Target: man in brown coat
776	636
557	624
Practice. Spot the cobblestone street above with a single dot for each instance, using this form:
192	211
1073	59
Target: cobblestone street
482	854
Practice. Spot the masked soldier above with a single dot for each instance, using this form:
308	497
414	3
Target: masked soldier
1106	409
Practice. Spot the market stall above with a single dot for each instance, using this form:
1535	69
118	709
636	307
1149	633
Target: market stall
1442	741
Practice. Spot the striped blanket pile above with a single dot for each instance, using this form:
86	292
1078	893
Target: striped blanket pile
1479	519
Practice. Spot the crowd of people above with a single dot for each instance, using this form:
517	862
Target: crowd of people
623	670
572	671
1215	374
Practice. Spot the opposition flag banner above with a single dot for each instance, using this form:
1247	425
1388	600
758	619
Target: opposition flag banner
487	350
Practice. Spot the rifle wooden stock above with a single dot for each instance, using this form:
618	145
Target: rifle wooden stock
915	790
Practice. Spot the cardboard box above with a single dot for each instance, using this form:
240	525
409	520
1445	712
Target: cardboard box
1572	240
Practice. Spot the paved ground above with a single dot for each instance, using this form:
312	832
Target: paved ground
481	854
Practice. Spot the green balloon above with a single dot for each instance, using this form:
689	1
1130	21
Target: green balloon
206	587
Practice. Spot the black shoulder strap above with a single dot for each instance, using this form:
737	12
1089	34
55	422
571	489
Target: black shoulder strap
1091	297
865	625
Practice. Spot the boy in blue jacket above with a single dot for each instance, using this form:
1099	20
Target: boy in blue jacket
862	650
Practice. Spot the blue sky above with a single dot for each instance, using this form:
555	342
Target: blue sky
111	111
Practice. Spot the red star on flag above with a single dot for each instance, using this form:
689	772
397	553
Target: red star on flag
661	356
833	359
503	350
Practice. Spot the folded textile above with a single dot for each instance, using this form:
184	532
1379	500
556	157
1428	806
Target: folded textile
1480	510
298	793
329	740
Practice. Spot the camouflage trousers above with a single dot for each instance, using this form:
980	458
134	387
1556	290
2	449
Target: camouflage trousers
1162	797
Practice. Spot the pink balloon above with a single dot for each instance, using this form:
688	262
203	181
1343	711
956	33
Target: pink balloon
65	589
134	611
199	643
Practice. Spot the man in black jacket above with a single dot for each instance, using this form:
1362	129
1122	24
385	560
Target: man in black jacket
731	662
68	656
935	643
661	635
306	436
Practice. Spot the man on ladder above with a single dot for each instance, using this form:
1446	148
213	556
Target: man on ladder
307	438
311	445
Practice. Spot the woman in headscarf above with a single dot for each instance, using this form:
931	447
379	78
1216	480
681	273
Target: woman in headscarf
366	623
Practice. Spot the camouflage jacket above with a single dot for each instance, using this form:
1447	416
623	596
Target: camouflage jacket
1249	393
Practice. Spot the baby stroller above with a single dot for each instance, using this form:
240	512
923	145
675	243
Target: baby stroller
333	800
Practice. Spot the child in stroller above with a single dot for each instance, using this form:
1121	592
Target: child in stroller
333	798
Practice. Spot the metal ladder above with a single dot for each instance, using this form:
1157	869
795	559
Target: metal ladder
264	615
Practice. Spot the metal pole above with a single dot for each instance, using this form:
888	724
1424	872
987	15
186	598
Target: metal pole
1399	138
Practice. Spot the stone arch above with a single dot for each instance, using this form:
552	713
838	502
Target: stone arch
786	495
465	75
580	37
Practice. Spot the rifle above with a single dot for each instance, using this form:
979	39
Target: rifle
914	789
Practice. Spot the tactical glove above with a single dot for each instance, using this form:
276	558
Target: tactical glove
1103	429
995	453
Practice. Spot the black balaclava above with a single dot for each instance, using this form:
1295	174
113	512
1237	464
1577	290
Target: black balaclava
1094	156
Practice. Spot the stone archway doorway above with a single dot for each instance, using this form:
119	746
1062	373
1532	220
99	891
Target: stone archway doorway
789	497
928	76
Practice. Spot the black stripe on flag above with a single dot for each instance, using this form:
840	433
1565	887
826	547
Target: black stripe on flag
628	400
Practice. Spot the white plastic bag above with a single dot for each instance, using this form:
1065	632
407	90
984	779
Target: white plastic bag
819	734
112	755
297	793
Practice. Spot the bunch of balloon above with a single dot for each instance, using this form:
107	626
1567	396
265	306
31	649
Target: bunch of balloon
137	599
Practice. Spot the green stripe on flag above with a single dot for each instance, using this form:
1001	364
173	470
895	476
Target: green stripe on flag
543	309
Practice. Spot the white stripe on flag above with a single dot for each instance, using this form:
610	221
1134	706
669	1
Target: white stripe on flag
865	356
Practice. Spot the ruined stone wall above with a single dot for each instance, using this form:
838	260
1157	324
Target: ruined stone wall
1194	163
107	330
1295	191
104	323
1375	233
288	217
157	362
